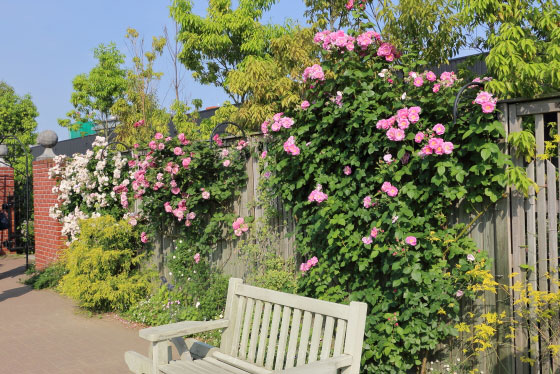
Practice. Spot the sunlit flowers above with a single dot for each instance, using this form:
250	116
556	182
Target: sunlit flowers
317	195
239	226
290	147
306	266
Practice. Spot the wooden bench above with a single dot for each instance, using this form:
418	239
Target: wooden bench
264	332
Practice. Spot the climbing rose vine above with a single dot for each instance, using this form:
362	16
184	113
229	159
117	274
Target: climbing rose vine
371	166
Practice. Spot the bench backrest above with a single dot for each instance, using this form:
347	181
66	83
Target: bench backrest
276	330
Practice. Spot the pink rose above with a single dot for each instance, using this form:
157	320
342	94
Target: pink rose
206	195
263	154
226	163
430	76
411	240
419	137
439	129
374	232
178	151
367	240
305	104
144	237
367	201
158	136
196	258
347	170
436	87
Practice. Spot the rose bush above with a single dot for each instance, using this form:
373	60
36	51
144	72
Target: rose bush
371	166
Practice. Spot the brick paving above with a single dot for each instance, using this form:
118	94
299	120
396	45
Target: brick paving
42	332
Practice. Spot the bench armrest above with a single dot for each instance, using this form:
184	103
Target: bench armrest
174	330
328	366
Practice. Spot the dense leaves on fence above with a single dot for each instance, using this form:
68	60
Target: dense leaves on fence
371	164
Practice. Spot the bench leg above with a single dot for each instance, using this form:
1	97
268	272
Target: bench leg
137	363
161	354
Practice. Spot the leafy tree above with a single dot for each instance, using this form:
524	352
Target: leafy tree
17	117
433	29
523	39
272	83
95	93
215	45
138	111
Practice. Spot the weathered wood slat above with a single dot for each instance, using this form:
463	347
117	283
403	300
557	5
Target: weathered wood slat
518	241
236	335
538	107
294	337
531	250
315	337
271	351
327	338
264	334
542	244
295	301
340	337
255	331
556	264
304	338
282	341
246	328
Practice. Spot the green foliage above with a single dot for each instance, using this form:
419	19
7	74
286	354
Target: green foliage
430	28
103	266
272	83
524	143
524	42
265	267
96	92
17	118
139	102
214	45
47	278
411	289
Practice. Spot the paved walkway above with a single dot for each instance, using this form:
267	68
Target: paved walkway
42	332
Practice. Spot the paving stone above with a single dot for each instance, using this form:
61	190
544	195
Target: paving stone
43	332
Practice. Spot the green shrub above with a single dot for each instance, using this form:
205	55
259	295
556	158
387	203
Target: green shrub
48	278
103	266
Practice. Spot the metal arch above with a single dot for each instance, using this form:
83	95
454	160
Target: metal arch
26	151
221	127
458	96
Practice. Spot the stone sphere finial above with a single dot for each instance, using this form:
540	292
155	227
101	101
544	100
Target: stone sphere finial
48	139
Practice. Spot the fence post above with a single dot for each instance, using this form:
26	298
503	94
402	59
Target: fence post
6	192
48	238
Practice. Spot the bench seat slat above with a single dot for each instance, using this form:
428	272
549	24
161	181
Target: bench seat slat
295	301
281	352
271	351
339	339
303	343
246	329
264	334
294	336
327	338
315	338
255	331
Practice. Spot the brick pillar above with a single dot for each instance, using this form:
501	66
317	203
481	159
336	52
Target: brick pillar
49	241
6	191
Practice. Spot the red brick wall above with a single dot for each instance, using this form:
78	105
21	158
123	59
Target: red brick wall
48	239
6	190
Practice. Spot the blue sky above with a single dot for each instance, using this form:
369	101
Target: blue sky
45	44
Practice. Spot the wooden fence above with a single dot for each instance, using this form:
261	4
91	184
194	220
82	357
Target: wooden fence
520	235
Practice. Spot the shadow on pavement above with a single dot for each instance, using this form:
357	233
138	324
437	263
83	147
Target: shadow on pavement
20	270
14	292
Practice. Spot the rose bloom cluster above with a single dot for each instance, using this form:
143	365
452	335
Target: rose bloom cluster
306	266
486	101
435	145
78	186
397	124
317	195
239	226
277	123
339	40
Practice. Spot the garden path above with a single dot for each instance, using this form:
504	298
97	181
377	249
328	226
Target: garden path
42	332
